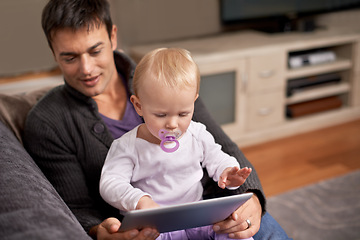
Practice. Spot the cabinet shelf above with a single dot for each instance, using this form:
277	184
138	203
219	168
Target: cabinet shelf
258	79
319	92
338	65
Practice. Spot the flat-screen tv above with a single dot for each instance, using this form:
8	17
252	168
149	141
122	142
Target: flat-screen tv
278	15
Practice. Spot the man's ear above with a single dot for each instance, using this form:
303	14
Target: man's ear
137	104
113	37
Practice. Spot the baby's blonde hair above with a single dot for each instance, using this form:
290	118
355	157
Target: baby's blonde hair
172	67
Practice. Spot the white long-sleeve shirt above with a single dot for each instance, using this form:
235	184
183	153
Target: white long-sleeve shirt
134	168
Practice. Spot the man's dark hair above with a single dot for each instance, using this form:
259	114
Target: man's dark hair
75	14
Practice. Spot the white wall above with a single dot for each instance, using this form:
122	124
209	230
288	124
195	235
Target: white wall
23	46
144	21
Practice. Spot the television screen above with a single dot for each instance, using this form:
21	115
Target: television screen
261	12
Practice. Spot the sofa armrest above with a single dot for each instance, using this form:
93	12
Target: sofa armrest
30	208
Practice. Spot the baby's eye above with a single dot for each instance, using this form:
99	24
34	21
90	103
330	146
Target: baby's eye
160	115
184	114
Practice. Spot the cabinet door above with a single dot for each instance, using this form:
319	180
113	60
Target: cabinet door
267	71
264	110
222	91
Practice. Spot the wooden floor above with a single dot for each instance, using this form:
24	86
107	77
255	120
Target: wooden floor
304	159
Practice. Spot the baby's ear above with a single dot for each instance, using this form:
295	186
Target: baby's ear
196	97
137	104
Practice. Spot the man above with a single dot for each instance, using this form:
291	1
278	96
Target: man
69	132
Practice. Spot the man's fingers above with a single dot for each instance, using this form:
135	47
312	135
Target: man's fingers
112	225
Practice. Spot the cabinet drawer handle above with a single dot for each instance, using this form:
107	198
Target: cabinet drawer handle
264	111
267	73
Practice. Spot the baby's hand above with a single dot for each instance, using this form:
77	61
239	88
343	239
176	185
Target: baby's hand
146	202
233	177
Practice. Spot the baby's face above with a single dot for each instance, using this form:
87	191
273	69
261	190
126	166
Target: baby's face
167	108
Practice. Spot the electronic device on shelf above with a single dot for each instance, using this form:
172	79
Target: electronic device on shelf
311	58
301	84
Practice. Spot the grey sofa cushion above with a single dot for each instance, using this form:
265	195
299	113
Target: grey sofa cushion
30	208
14	109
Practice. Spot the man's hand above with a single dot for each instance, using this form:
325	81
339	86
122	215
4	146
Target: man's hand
109	228
233	177
236	226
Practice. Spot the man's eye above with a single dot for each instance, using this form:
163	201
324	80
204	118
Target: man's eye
95	52
69	59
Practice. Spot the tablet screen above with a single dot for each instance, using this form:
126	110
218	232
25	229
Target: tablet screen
183	216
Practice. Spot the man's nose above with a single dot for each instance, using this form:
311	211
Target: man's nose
86	65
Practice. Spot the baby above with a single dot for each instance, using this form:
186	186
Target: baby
161	161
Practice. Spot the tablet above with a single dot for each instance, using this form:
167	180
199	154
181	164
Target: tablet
183	216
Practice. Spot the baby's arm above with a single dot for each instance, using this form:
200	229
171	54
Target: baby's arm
233	177
146	202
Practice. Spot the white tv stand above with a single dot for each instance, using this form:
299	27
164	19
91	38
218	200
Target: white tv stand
259	62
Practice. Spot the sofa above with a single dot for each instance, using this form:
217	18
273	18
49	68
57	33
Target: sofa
30	207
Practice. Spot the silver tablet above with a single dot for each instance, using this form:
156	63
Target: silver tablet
183	216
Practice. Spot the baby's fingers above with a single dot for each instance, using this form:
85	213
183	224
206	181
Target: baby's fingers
222	182
244	172
234	170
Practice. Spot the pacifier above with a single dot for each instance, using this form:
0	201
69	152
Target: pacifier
168	139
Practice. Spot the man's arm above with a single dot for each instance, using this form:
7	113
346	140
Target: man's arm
59	164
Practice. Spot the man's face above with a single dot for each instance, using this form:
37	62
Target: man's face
86	58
